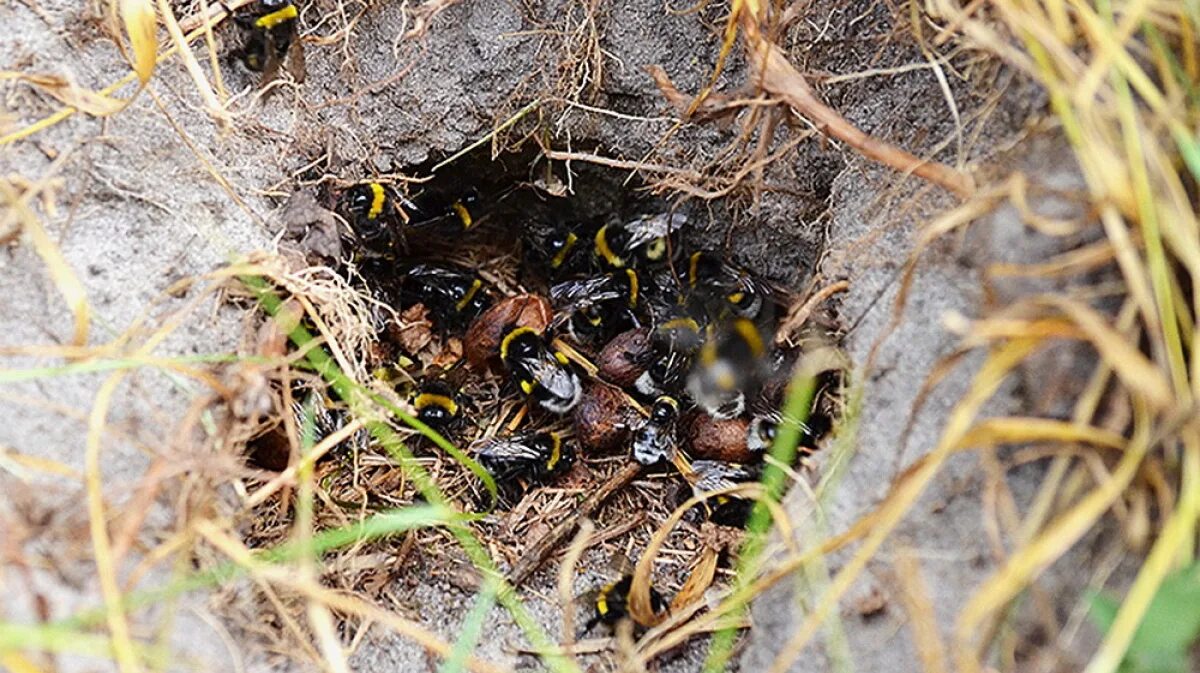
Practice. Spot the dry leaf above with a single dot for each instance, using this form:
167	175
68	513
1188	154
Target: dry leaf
68	92
139	19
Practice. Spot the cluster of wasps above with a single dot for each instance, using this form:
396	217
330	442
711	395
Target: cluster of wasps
637	344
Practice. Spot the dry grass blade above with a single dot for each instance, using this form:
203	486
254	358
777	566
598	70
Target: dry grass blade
1135	370
16	663
138	17
1028	430
212	105
905	492
69	93
106	569
566	576
60	272
330	599
698	581
914	595
639	592
1056	539
779	77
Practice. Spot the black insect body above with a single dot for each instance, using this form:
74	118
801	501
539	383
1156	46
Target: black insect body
438	405
655	440
371	214
532	456
453	296
640	242
317	417
597	308
764	427
675	344
554	248
543	374
611	603
729	366
431	209
722	289
269	38
713	475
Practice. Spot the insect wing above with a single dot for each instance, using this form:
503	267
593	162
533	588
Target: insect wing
646	229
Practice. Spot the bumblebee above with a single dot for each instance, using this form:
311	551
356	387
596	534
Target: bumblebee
643	241
545	375
611	603
269	38
597	308
760	435
535	456
712	475
438	405
728	367
735	292
430	209
370	212
674	346
655	440
558	248
453	296
311	412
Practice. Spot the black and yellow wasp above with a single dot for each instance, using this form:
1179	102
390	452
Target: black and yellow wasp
643	241
453	296
371	213
554	248
766	417
597	308
432	208
610	602
655	440
270	37
530	456
438	405
729	366
707	476
674	344
542	373
723	289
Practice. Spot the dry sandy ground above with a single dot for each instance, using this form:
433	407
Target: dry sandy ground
137	210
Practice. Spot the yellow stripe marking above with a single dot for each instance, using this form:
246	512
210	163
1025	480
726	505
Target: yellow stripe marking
464	215
693	263
527	387
605	251
276	17
434	400
462	303
561	257
749	333
378	198
512	335
656	249
555	452
686	323
633	287
562	359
